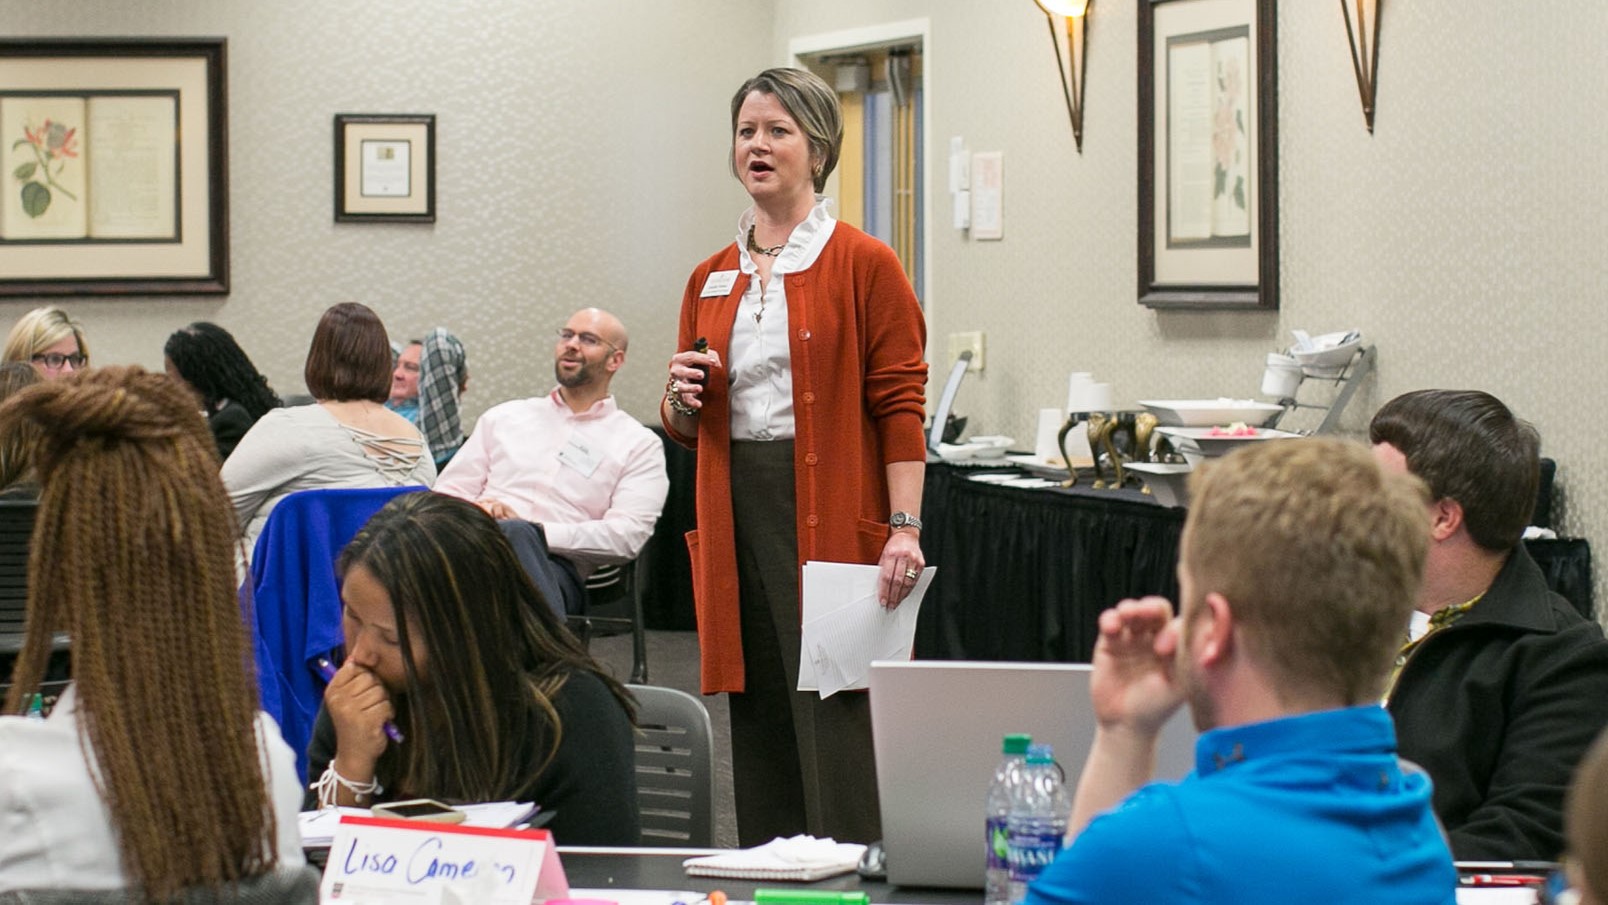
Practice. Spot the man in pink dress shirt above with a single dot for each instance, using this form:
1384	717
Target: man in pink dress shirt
588	477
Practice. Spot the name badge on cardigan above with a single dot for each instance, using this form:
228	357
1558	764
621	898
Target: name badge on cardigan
719	284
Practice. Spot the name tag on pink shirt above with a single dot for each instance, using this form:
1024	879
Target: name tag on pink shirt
579	456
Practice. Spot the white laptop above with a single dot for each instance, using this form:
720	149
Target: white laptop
937	727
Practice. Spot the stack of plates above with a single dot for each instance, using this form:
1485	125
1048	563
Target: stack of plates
975	449
1331	356
1208	412
1198	443
1168	481
1054	469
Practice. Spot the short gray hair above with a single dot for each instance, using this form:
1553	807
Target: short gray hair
811	102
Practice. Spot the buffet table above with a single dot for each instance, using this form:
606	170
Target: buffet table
1022	574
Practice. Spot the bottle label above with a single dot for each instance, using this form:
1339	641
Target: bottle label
1032	850
998	841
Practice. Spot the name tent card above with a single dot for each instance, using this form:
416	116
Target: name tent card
377	861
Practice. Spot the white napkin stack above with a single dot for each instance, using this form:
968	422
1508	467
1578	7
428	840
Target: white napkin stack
803	858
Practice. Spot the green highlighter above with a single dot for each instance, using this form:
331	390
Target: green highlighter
809	897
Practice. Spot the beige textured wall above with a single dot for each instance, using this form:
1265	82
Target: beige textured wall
1464	237
580	161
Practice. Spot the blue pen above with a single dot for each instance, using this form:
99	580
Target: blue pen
327	670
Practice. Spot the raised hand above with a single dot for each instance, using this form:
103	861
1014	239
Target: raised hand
1135	685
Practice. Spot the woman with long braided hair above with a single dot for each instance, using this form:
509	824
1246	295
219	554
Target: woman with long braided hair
494	699
156	772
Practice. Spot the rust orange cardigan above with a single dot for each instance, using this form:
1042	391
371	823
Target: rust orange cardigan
857	339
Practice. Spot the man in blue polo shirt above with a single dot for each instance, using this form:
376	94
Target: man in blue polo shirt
1297	571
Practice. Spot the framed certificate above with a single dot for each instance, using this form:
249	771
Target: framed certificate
384	168
114	172
1208	154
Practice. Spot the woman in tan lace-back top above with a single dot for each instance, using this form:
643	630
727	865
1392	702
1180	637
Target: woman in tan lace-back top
347	439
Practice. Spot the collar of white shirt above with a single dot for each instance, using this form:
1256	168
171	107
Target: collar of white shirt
803	246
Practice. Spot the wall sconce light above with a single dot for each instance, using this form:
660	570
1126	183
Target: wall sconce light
1074	12
1364	52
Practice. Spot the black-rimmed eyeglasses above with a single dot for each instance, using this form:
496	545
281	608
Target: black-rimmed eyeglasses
54	361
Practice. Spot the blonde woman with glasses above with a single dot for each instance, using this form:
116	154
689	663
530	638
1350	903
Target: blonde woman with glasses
50	341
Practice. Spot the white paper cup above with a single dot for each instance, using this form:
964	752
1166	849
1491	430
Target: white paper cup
1282	376
1049	424
1078	387
1077	443
1100	398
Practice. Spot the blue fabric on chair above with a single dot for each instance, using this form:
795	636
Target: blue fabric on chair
297	602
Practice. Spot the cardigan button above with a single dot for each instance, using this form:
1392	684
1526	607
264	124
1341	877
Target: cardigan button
811	459
812	521
809	397
804	334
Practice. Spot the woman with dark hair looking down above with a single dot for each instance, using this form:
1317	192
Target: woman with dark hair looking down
205	358
156	772
494	699
347	439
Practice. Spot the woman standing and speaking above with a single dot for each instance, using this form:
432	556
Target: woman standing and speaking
806	411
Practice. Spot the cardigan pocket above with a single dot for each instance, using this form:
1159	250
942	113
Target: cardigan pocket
870	537
695	555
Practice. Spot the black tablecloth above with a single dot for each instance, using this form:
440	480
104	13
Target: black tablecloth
1022	574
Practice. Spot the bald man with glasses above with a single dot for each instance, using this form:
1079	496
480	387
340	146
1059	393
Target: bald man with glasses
568	473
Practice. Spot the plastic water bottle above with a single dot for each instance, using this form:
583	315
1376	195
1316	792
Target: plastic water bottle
997	806
1040	813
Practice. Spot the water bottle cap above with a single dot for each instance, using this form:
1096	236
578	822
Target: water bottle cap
1017	742
1040	754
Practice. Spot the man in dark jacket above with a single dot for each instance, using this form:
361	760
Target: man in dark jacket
1502	684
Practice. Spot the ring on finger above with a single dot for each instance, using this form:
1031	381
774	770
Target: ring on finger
910	574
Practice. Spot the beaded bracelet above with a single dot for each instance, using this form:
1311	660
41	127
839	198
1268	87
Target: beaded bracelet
674	398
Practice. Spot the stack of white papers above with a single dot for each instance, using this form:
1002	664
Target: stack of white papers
318	827
803	858
845	628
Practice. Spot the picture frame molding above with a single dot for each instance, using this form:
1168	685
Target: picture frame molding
1263	295
199	258
419	131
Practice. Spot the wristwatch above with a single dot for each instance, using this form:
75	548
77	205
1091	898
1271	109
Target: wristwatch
904	520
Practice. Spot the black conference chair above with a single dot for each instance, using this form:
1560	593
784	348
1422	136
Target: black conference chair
16	534
613	607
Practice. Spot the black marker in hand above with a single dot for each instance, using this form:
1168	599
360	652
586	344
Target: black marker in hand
701	347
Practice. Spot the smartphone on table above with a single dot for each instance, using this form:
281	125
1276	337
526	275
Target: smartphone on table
426	809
